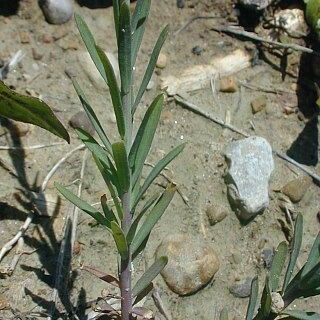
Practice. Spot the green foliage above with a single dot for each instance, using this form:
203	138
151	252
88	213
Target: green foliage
304	284
27	109
121	162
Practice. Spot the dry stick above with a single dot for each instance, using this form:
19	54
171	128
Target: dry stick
192	107
8	246
250	35
38	146
73	219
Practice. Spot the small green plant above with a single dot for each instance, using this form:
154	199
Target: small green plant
121	162
26	109
275	300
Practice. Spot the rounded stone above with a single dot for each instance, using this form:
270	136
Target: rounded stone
296	189
57	11
192	263
162	61
215	214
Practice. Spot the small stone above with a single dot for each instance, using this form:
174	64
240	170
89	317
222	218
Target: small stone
46	38
197	50
250	164
57	11
277	303
296	189
267	257
36	54
162	61
236	258
77	248
228	84
81	120
258	104
4	303
241	290
255	4
192	263
181	4
150	85
215	214
24	37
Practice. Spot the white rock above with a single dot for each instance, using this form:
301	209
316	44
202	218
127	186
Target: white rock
57	11
91	70
256	4
250	165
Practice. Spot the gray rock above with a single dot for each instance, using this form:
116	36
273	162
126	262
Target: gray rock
215	214
192	263
267	257
256	4
250	164
57	11
81	120
242	289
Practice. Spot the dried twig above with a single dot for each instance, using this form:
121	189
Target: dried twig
38	146
70	227
250	35
192	107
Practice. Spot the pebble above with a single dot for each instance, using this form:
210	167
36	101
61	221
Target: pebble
181	4
250	164
256	4
24	37
197	50
37	54
57	11
258	104
216	214
47	38
150	85
267	257
91	70
242	289
162	61
228	84
297	188
192	263
81	120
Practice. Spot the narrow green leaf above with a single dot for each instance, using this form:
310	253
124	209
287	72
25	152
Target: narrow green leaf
253	299
153	217
82	205
124	47
265	305
116	13
143	140
114	90
149	276
135	223
121	161
296	244
312	279
120	240
277	265
91	115
90	44
27	109
108	213
143	294
314	256
109	174
302	315
156	171
150	68
138	25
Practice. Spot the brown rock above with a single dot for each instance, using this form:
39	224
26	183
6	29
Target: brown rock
215	214
81	120
46	38
228	84
36	54
296	189
192	263
162	61
258	104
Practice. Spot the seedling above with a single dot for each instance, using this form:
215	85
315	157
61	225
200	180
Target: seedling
276	301
121	162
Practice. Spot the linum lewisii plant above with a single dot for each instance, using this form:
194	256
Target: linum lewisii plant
128	220
276	300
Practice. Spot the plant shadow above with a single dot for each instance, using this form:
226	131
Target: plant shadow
9	7
43	238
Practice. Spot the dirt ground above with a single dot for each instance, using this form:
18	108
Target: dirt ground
198	171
